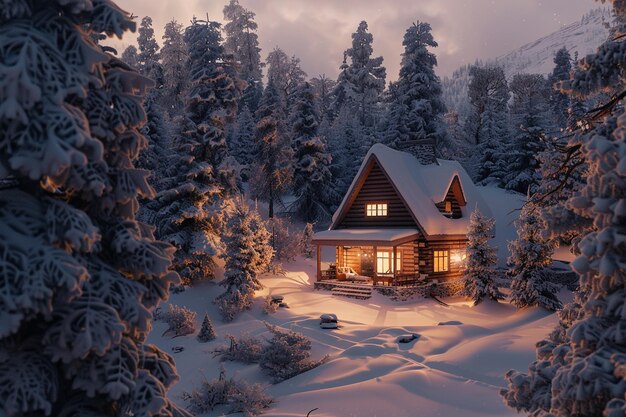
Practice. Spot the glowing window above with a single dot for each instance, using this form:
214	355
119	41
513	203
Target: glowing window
384	262
376	209
448	208
441	260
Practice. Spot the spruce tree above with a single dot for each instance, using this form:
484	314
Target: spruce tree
79	272
149	52
207	332
560	102
286	75
130	56
529	119
417	106
582	373
482	259
158	150
487	123
242	141
531	255
175	71
247	254
323	88
243	43
187	211
272	151
311	173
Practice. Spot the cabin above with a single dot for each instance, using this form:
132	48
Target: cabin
402	222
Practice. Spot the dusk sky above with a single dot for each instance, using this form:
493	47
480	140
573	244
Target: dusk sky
319	31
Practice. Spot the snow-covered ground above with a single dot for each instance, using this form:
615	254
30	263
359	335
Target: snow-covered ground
450	370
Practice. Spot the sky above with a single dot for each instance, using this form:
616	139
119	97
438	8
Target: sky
319	31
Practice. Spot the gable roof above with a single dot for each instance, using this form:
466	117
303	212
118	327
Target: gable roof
420	187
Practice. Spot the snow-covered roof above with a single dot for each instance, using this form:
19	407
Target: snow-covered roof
366	235
421	186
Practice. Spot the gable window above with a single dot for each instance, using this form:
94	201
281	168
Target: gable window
441	261
448	207
376	209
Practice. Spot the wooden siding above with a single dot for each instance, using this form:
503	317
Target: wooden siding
455	197
377	189
424	255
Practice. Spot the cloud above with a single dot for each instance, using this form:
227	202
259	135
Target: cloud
319	31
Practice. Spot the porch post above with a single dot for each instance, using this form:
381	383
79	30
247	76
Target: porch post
395	256
375	264
319	263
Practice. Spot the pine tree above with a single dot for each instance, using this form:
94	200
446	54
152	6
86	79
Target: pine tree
286	75
529	121
487	123
273	153
79	273
365	77
531	255
130	56
482	259
582	373
149	52
311	174
242	141
158	151
417	106
175	72
306	243
187	211
247	254
323	87
243	43
560	102
207	332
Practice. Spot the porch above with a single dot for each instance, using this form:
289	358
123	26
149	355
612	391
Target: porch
374	257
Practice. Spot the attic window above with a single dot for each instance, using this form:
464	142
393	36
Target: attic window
448	207
376	209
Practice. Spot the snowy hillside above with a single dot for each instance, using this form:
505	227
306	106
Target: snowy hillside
581	38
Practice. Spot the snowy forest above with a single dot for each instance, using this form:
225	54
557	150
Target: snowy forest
196	168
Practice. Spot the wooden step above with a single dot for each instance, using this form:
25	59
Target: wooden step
355	292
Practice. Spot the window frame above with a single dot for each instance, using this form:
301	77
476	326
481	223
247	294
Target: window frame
376	209
441	261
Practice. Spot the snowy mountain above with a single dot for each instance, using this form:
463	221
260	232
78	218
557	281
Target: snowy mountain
580	38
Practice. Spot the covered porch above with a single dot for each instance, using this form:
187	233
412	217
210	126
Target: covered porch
370	256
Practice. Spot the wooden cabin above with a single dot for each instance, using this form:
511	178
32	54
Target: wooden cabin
401	222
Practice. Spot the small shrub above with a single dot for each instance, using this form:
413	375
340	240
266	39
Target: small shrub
282	240
246	349
207	332
231	304
239	396
270	307
287	354
180	320
306	241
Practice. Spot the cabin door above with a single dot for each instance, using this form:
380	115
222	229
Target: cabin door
367	262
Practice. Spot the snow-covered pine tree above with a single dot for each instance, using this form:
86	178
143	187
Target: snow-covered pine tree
311	173
149	52
529	122
130	56
480	272
582	374
306	243
286	75
158	152
242	143
365	77
341	91
487	123
79	273
243	43
417	106
247	254
187	211
207	332
323	88
175	71
272	151
531	255
560	102
347	147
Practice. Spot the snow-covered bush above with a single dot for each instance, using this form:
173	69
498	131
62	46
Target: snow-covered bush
79	274
269	306
531	256
236	396
180	320
245	348
207	332
247	254
282	239
480	279
287	354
